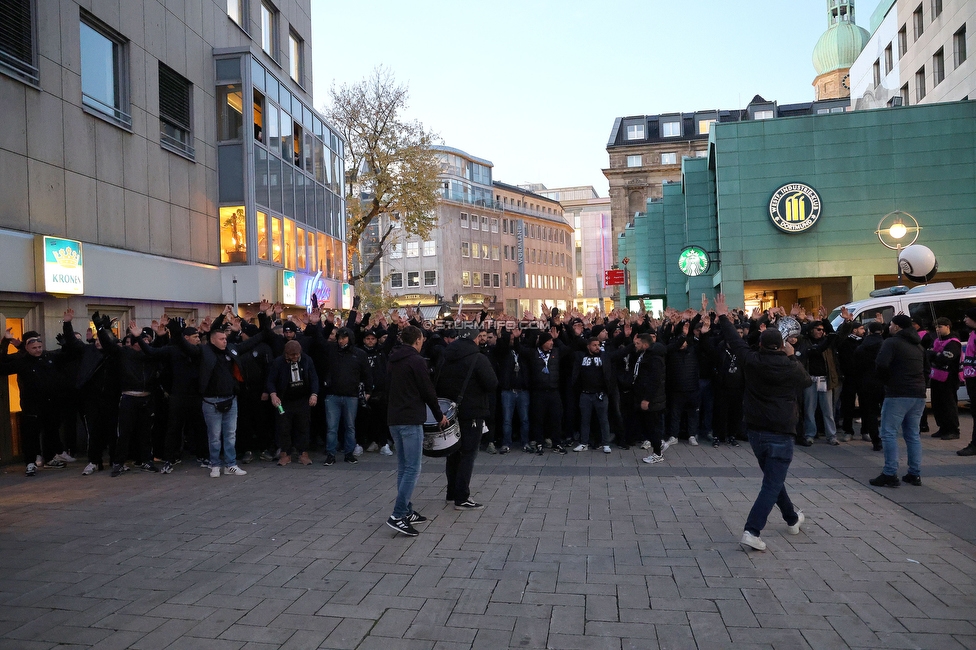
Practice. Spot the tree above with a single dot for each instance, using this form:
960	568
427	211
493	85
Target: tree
390	166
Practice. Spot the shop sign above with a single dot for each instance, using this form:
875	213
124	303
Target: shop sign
794	207
693	261
289	288
64	270
346	296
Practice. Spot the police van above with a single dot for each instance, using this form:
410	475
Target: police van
925	303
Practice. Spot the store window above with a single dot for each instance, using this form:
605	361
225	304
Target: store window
300	248
263	243
233	235
276	248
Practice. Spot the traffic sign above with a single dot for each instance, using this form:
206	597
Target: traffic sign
614	277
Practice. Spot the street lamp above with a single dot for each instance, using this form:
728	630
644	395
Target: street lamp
897	230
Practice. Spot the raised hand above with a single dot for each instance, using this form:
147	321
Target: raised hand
264	306
822	312
69	313
721	307
133	328
846	314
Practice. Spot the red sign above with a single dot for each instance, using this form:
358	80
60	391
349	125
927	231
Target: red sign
613	277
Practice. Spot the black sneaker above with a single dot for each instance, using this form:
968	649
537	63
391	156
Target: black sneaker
529	449
149	467
716	443
402	526
351	459
166	469
950	436
119	470
804	442
559	449
329	460
539	449
503	450
55	463
969	450
885	480
248	457
469	505
416	518
912	479
732	442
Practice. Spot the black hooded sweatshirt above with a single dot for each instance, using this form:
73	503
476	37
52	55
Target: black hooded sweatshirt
458	358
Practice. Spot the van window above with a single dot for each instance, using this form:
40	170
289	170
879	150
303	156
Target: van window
870	314
922	312
955	310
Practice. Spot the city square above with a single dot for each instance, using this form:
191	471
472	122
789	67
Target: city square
581	551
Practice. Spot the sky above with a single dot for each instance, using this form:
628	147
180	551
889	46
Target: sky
534	86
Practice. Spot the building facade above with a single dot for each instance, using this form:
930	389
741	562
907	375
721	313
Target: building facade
918	53
166	158
791	214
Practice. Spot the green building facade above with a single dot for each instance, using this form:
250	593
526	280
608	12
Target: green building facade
860	165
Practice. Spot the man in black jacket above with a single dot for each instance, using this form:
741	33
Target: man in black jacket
870	389
772	377
945	355
543	361
293	387
409	390
594	377
650	398
902	366
463	359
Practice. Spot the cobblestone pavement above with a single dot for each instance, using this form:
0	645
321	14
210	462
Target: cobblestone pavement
588	550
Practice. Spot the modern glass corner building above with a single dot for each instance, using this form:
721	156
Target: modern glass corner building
853	168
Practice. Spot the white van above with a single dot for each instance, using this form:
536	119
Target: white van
926	303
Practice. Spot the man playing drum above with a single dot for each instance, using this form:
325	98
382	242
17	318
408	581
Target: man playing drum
410	390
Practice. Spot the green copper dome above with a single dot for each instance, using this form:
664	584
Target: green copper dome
843	40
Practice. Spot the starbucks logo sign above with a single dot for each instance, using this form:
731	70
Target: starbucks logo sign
693	261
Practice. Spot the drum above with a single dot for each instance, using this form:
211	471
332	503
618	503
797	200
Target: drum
441	442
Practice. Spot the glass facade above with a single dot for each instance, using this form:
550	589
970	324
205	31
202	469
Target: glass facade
297	163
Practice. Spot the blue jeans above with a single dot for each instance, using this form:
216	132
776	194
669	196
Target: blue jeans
512	400
903	413
336	407
774	451
221	429
588	403
812	398
409	442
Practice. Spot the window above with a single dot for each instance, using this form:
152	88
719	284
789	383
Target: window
413	249
236	12
484	251
413	279
300	247
104	71
296	53
174	111
430	278
669	158
876	71
508	278
233	235
670	129
269	30
476	279
634	161
938	67
959	47
464	220
276	250
917	26
396	280
494	225
701	153
465	249
635	132
888	59
496	280
505	226
430	248
230	113
484	224
17	52
920	84
936	8
704	126
902	41
465	278
396	252
764	115
495	253
904	95
474	222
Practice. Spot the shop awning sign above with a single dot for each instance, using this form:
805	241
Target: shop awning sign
64	268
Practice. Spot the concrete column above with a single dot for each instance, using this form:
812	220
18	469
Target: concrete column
861	286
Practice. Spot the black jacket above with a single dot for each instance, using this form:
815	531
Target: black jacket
682	365
409	388
865	369
280	381
772	383
212	360
903	365
345	369
458	358
648	377
39	378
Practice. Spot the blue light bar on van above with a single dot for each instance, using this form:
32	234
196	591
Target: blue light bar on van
889	291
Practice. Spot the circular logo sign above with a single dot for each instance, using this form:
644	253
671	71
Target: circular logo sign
795	207
693	261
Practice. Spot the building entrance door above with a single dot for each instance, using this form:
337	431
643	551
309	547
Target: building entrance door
809	293
10	447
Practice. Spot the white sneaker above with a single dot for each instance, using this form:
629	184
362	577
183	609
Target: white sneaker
795	528
90	469
653	458
752	541
373	447
580	447
667	443
215	472
646	445
606	449
693	441
233	470
358	451
385	450
65	456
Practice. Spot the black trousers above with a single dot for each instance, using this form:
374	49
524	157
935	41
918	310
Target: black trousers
683	403
371	424
460	464
40	430
651	427
135	429
546	416
102	423
727	413
292	426
848	395
870	401
184	418
256	429
945	407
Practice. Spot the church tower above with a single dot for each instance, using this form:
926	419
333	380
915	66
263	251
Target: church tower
836	51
